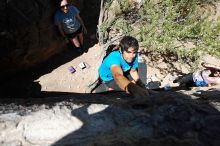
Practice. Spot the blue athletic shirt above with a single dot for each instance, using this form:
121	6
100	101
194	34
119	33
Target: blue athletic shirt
115	58
68	20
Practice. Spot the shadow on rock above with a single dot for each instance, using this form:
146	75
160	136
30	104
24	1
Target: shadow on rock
174	119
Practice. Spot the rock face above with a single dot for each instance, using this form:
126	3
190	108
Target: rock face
28	35
175	118
185	118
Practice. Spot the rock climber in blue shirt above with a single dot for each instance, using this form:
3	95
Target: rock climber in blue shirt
70	24
118	70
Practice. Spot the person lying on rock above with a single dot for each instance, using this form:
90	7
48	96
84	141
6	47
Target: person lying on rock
209	76
118	70
70	24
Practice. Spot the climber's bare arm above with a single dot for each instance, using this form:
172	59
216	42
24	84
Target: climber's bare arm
119	78
134	74
213	80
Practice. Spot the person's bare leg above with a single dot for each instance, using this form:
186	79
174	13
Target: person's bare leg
81	39
75	42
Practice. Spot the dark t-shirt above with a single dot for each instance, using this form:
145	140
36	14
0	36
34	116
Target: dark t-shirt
68	20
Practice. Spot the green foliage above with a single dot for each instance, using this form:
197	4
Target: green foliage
122	25
124	5
168	25
179	21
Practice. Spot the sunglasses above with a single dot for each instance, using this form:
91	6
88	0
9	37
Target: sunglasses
66	5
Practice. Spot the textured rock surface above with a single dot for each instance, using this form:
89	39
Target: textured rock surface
175	118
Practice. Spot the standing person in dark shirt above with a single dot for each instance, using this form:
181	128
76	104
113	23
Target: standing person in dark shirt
70	24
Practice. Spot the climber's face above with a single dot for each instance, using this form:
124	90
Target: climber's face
64	6
129	55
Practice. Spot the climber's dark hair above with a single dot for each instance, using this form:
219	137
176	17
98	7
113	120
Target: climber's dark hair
110	49
128	42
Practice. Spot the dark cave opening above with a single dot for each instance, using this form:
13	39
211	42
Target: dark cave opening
31	45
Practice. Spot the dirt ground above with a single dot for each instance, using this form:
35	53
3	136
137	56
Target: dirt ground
54	78
60	79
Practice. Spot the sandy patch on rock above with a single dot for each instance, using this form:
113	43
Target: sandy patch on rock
61	80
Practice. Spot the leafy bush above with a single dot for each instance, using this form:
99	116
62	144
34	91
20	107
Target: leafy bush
169	25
